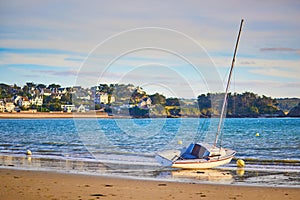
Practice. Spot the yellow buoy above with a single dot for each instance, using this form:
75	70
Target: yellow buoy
28	153
179	142
240	163
257	134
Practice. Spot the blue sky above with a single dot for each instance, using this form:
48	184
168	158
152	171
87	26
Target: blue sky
178	48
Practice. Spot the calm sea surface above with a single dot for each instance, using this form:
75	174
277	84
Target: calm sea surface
127	147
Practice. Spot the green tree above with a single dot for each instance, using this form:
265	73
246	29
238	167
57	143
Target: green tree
30	85
5	91
53	86
105	88
158	110
204	104
41	86
158	99
55	106
172	102
97	107
25	92
66	98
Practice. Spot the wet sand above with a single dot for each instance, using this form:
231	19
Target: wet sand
33	185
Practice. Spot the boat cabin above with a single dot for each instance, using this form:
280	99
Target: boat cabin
200	150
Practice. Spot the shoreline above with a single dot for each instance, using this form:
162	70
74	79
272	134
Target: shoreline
90	114
41	115
24	184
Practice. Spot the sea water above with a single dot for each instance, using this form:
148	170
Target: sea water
126	147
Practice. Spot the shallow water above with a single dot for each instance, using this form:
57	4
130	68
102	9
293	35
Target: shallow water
126	147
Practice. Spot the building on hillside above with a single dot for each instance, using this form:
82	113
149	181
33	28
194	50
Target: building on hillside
35	92
2	106
131	87
112	99
9	107
68	108
25	103
145	103
103	98
16	100
81	108
22	101
38	101
84	97
62	90
46	92
139	90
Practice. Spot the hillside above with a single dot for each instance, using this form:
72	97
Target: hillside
286	104
295	111
123	99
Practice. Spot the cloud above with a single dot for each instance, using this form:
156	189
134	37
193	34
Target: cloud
277	72
281	49
273	88
61	34
247	62
4	50
38	69
24	57
255	62
39	73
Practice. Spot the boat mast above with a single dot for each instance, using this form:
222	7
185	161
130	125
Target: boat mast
228	83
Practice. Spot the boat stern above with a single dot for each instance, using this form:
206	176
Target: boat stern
166	158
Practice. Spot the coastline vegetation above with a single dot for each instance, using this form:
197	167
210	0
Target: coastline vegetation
122	99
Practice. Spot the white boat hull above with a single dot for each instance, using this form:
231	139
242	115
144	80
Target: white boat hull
200	163
175	159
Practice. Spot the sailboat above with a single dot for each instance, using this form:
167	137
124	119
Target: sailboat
199	155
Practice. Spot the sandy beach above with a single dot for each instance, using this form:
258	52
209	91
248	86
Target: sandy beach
21	184
21	115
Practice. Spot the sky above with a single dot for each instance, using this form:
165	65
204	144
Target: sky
176	48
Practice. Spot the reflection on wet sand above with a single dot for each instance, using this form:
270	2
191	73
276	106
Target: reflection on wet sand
35	163
240	172
214	175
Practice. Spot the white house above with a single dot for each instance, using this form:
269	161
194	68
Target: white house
103	98
2	106
140	90
38	100
25	102
17	100
86	97
68	108
46	92
81	108
22	101
9	106
145	103
112	99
